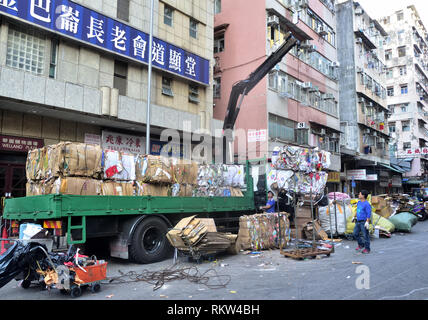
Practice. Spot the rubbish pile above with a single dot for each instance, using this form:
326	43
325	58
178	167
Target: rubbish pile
68	272
85	169
198	237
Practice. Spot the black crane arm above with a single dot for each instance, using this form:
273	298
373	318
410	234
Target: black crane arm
243	87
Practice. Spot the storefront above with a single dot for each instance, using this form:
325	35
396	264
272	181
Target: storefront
13	155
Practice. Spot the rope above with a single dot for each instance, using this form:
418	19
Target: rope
158	278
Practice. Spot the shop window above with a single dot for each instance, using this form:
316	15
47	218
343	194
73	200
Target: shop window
25	50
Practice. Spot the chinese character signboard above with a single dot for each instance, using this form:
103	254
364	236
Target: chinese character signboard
414	152
257	135
357	174
82	24
174	150
123	142
333	177
8	143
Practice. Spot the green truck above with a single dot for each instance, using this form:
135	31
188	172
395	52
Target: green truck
134	226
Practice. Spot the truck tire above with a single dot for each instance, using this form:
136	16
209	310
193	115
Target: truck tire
149	243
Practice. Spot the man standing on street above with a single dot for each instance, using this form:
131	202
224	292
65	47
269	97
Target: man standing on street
364	212
270	205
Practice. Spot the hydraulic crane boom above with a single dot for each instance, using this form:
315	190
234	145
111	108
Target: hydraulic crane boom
243	87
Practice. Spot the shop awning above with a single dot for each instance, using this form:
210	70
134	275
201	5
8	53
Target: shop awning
390	168
398	168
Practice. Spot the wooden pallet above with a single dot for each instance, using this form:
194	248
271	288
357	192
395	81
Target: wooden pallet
304	253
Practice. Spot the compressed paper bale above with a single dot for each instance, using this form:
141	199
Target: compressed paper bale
233	175
184	171
153	169
148	189
76	186
114	188
80	159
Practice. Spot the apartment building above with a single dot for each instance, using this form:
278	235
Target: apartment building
406	55
363	101
77	71
297	103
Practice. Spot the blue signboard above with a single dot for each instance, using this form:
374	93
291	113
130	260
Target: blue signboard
80	23
176	150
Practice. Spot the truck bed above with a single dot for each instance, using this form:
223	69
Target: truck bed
57	206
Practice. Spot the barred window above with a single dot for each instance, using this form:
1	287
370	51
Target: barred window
25	51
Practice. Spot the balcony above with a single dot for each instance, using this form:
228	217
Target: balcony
366	37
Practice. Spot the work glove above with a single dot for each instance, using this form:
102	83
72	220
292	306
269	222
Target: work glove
366	225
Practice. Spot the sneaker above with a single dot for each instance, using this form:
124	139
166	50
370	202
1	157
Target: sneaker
359	248
366	251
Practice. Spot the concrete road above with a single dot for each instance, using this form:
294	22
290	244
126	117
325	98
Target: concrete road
397	268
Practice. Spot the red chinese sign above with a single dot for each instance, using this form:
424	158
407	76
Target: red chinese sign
20	144
415	151
123	142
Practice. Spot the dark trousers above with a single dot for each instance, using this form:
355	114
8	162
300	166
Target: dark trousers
358	229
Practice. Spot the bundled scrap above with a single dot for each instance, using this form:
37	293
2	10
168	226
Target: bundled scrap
84	169
298	169
263	231
198	237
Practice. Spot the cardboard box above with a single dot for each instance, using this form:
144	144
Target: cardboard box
385	212
209	222
304	212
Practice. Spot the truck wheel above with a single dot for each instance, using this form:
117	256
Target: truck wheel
149	243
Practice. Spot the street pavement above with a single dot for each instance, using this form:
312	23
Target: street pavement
396	269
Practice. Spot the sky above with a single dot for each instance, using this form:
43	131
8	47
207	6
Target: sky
382	8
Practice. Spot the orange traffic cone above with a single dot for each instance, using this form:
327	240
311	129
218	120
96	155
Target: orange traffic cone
3	242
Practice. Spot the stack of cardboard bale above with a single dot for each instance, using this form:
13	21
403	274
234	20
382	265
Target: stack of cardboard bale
382	205
85	169
263	231
198	237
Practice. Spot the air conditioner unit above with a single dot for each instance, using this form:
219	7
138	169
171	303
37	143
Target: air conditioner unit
328	96
335	64
322	132
321	30
359	11
302	125
307	85
273	20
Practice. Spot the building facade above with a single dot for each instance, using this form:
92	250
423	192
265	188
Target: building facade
297	103
406	55
363	101
77	71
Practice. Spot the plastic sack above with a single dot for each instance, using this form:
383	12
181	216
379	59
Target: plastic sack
383	223
328	213
403	221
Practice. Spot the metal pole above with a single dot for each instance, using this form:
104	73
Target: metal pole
149	81
312	216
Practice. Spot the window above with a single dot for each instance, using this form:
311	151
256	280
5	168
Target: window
217	88
388	54
219	44
193	28
167	15
54	58
25	51
400	34
389	73
405	126
390	91
392	127
404	107
403	70
273	80
217	6
404	89
402	51
120	76
400	15
406	145
281	128
123	9
193	94
167	86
